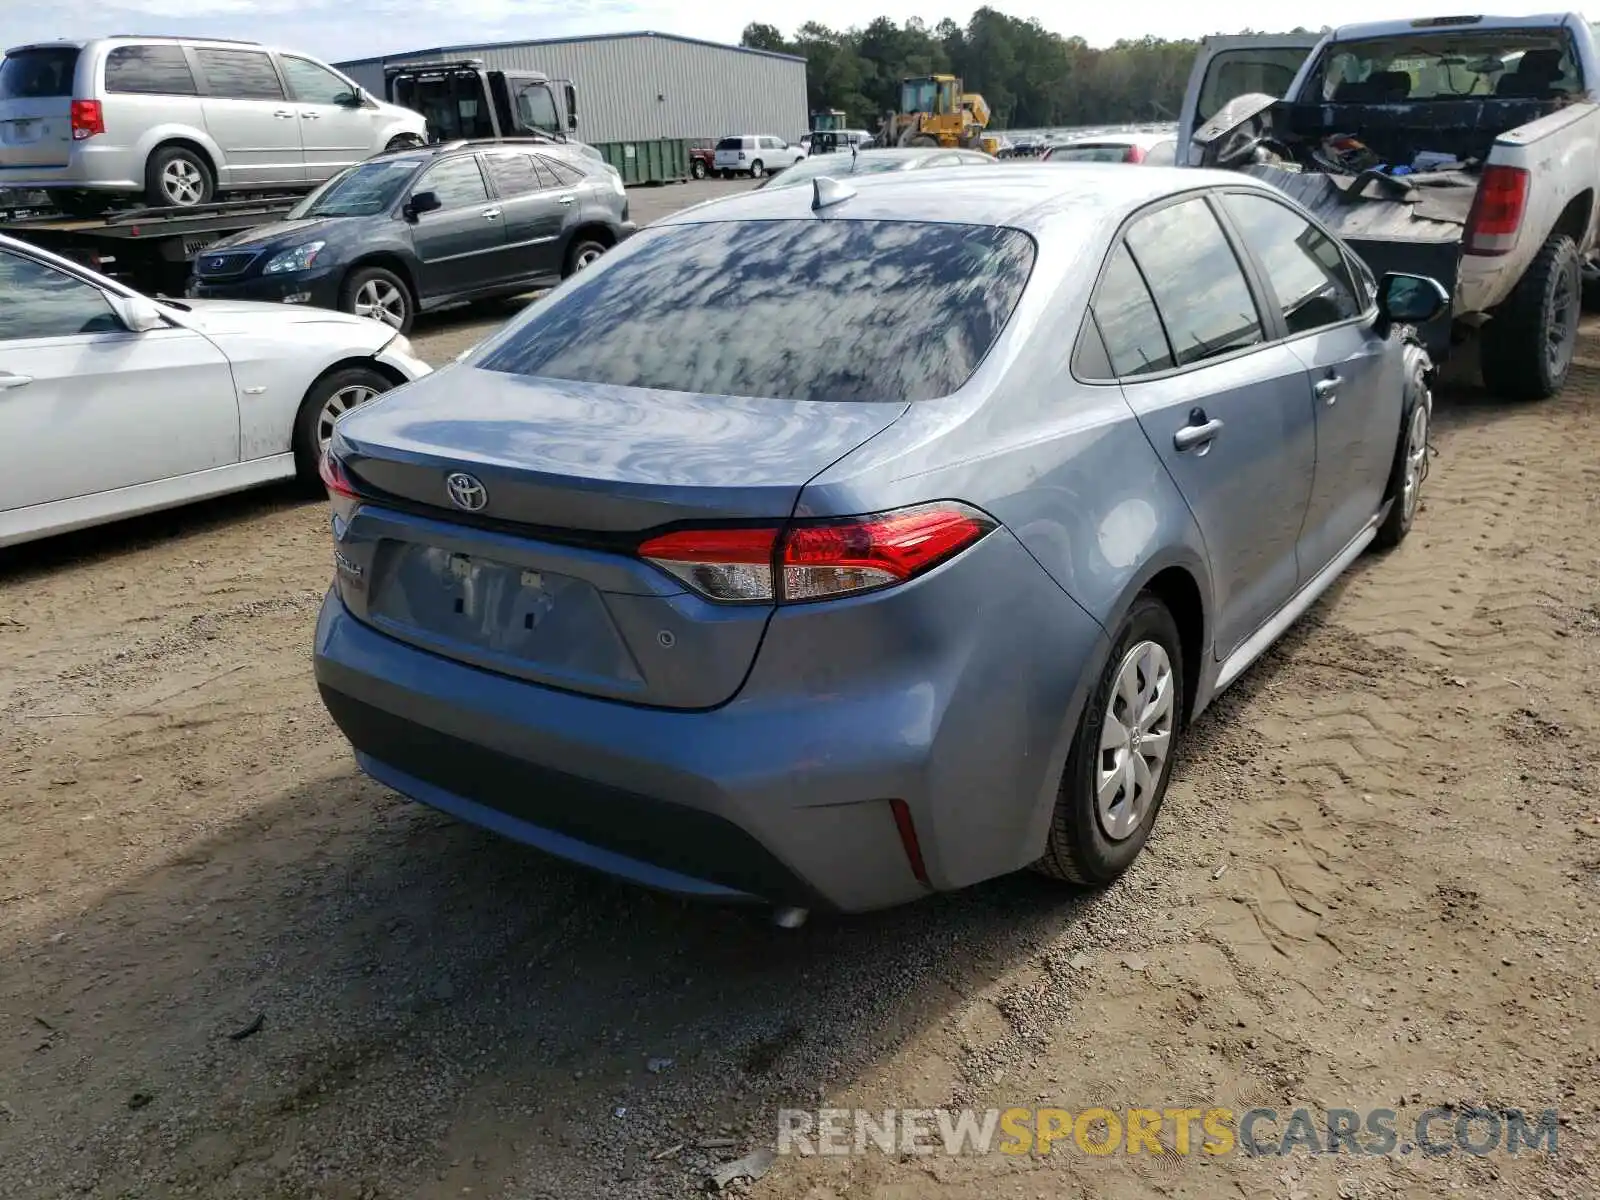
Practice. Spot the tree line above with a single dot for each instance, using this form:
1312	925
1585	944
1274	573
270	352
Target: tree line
1031	77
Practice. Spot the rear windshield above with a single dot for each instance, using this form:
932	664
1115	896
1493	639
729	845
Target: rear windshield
37	74
864	163
1089	154
734	143
789	310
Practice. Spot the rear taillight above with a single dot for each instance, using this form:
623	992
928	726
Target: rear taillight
817	560
88	119
1497	211
343	498
1135	154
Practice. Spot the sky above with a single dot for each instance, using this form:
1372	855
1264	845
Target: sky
337	30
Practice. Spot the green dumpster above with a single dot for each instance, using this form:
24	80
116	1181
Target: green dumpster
664	160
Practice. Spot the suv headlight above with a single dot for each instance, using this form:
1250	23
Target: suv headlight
301	258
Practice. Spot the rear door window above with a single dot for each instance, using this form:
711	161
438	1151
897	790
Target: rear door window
1197	283
240	75
791	310
513	174
1123	308
1303	265
565	174
38	74
150	71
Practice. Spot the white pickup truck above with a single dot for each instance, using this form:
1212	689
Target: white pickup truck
1465	148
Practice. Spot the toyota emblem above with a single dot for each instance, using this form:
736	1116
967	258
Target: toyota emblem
465	491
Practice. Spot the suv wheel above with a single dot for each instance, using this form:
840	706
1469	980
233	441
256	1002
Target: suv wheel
380	294
584	253
756	169
1121	758
177	177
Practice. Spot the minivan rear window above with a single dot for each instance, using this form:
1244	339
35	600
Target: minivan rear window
786	310
150	71
38	74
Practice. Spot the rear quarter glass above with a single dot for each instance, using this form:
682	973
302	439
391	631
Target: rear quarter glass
784	310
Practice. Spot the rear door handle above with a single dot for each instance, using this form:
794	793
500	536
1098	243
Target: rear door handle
8	380
1191	436
564	200
1328	389
489	214
311	116
284	114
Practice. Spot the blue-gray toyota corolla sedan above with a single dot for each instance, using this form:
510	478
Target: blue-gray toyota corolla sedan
831	546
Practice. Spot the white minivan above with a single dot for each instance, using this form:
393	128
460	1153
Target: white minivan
180	120
755	155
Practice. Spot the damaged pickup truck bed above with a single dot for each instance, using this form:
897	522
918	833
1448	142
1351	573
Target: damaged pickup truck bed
1464	148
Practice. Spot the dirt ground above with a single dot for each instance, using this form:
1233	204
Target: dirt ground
232	967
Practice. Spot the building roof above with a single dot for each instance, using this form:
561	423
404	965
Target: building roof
593	37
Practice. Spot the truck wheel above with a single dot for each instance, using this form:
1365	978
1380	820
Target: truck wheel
380	294
697	168
1121	758
177	177
1591	281
1528	345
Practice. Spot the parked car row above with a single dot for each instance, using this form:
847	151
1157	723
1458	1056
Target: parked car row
756	562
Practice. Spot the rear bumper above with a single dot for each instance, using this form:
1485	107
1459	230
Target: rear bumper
319	289
781	795
88	168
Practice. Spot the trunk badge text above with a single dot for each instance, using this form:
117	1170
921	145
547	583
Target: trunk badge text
465	491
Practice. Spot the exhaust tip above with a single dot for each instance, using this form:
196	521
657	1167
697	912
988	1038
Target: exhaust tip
790	918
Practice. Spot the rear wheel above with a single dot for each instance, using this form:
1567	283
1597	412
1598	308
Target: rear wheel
584	253
178	177
923	139
1121	758
402	141
757	169
379	294
330	397
697	168
1528	345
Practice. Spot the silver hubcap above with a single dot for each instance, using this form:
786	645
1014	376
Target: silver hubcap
1416	458
336	405
182	182
586	257
1135	740
382	301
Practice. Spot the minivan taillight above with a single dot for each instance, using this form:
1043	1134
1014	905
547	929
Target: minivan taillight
1497	210
88	119
817	559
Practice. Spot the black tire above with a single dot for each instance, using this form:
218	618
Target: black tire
383	280
180	162
1411	450
1529	343
757	169
697	168
580	254
1591	281
402	141
923	139
1079	849
312	421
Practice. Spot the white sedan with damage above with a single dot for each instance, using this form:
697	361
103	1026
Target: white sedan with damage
113	404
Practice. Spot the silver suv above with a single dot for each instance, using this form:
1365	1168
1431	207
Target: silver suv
180	120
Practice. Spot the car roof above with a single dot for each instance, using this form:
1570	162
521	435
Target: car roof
1024	195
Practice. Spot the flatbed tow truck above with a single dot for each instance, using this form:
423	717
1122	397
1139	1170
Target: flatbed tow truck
146	248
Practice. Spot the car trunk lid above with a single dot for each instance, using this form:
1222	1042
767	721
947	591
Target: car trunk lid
36	107
528	565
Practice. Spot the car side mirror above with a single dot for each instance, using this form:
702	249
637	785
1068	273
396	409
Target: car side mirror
137	313
423	202
1410	299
